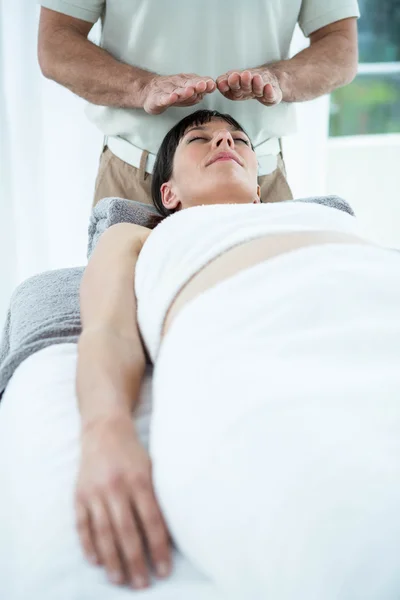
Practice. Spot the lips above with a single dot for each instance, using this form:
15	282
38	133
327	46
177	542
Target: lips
223	156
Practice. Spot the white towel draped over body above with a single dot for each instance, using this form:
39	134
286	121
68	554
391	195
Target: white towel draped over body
276	427
40	553
275	439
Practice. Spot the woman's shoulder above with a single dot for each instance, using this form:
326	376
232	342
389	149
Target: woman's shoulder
121	234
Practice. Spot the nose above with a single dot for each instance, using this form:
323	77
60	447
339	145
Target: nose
223	138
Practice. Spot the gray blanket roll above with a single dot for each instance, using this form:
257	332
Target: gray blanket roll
44	309
110	211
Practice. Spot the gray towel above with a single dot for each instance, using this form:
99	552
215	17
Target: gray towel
110	211
332	201
44	309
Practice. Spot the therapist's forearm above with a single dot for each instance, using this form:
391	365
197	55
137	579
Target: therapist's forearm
71	60
319	69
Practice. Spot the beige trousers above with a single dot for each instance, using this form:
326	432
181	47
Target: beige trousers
117	178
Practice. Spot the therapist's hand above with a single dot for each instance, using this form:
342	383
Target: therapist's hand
260	84
117	514
186	89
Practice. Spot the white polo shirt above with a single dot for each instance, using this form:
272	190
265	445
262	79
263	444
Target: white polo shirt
206	37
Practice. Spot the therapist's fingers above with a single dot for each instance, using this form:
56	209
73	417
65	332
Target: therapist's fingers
269	92
186	92
211	86
222	83
161	100
271	95
200	87
197	87
234	81
181	97
258	85
246	82
241	85
183	101
195	99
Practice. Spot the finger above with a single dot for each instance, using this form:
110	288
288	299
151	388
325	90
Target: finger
211	86
234	81
155	529
168	99
258	85
200	87
105	540
222	84
205	85
185	92
191	101
85	533
245	82
269	93
129	539
162	102
196	98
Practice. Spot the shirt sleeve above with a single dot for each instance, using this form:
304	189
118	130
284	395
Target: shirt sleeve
315	14
87	10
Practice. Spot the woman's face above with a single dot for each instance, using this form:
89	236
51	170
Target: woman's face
213	164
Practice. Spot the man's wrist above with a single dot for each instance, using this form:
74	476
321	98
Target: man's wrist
284	79
138	86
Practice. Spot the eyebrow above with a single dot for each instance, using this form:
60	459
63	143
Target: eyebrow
203	128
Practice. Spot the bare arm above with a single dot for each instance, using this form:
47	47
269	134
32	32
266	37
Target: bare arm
116	508
68	57
328	63
111	359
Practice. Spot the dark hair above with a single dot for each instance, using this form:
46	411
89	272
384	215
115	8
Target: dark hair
163	166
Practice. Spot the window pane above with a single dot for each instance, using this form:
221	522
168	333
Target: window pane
379	31
369	105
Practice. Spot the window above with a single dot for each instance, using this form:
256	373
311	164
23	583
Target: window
371	103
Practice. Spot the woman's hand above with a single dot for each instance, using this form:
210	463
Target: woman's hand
118	517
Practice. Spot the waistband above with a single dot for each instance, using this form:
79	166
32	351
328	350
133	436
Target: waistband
267	154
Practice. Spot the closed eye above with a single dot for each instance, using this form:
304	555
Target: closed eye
203	138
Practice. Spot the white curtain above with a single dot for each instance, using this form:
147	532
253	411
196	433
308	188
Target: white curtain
49	156
48	159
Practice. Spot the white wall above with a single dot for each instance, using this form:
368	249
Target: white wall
365	170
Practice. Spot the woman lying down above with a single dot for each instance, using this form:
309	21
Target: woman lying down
274	330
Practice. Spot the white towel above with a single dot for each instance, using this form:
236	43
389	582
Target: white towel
275	433
40	553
